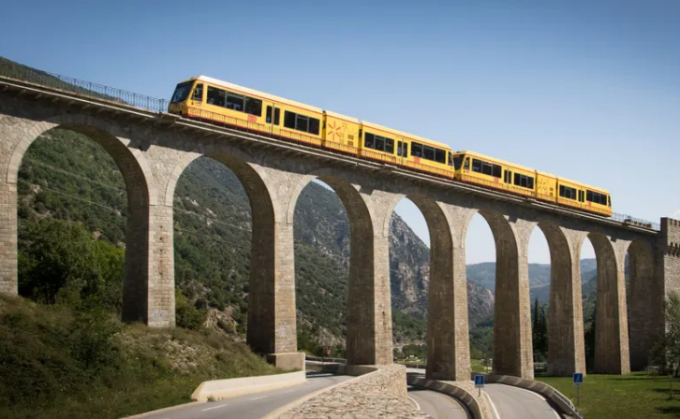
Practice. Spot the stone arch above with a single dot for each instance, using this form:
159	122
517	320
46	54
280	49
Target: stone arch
366	330
640	304
269	329
611	334
566	351
447	329
512	320
142	195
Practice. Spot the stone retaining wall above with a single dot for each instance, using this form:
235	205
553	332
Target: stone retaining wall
378	394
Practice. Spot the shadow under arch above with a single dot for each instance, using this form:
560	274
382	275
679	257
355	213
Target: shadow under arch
512	350
141	194
611	340
270	327
644	312
566	347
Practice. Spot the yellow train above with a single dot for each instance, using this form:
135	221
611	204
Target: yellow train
216	101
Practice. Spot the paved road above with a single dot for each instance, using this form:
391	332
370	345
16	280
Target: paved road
437	405
517	403
253	406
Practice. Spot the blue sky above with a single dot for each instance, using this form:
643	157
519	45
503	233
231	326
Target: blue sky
588	90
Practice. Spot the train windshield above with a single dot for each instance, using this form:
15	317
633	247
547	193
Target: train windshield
182	92
457	162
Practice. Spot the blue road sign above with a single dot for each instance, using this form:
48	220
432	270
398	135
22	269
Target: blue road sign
578	379
479	381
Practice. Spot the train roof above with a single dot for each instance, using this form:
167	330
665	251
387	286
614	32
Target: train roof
341	116
407	135
585	185
254	92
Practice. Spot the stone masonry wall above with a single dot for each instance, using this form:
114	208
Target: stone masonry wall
380	394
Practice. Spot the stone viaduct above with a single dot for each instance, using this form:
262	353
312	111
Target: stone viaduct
152	150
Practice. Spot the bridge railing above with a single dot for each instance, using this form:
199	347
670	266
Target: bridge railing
627	219
83	88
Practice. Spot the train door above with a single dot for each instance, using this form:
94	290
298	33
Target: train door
273	118
402	151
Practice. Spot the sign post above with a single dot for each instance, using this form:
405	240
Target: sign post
479	383
578	382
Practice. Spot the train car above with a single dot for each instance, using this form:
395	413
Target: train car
224	103
341	133
584	197
408	150
487	171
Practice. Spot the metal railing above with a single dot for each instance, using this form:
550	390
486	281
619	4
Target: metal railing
82	87
148	103
627	219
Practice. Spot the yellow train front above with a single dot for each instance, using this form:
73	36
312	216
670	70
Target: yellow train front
223	103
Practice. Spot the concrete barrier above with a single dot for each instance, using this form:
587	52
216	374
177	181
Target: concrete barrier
222	389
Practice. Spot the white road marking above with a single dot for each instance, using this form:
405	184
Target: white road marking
493	406
214	407
258	398
415	402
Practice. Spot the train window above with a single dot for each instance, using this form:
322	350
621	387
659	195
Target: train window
567	192
181	92
385	144
217	97
524	181
277	115
379	143
416	150
399	145
405	149
497	170
235	102
253	106
389	146
508	177
301	123
467	163
313	126
369	140
597	198
428	152
198	93
439	156
457	162
610	201
476	166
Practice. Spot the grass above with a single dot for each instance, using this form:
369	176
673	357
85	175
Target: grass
60	363
634	396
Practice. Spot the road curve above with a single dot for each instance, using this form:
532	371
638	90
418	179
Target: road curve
253	406
517	403
437	405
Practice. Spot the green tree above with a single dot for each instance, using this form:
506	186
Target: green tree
667	351
539	331
60	261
